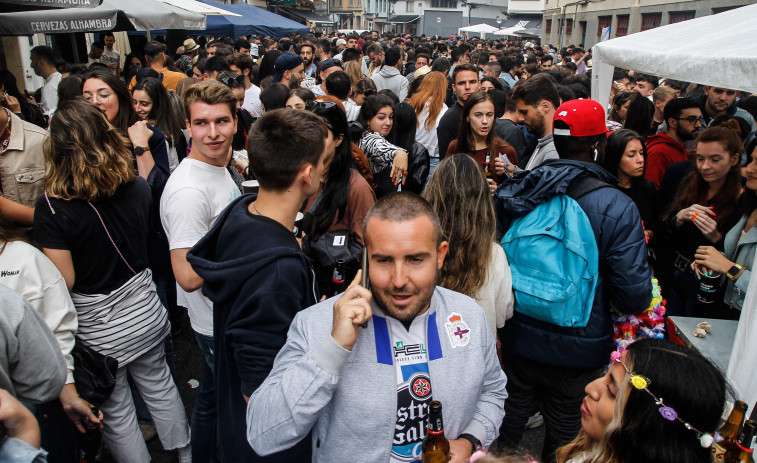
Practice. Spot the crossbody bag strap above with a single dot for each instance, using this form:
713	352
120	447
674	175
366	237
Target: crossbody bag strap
317	201
111	238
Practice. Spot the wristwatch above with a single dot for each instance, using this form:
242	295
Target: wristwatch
140	150
472	439
734	271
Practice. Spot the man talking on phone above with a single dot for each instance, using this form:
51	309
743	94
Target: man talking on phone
361	369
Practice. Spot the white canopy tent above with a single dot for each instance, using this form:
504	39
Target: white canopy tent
199	7
716	50
742	368
478	29
511	30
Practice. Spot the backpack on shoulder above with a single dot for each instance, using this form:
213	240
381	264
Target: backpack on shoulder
554	259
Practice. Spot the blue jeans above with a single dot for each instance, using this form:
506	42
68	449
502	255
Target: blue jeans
432	165
204	414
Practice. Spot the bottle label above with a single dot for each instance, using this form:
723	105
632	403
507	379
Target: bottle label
718	453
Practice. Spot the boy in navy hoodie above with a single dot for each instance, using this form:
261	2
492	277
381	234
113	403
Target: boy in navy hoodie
255	272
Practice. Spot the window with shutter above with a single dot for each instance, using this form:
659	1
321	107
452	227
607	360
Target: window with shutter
678	16
604	21
721	9
650	20
622	28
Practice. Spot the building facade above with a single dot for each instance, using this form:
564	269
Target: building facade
582	22
348	14
431	17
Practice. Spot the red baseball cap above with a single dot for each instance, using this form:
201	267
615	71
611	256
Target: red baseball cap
585	117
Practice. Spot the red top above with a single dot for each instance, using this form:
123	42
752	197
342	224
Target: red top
662	152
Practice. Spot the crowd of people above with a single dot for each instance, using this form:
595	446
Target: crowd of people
348	223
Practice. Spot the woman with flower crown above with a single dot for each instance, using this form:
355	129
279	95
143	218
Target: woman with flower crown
659	402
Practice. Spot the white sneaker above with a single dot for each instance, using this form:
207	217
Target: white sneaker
535	421
185	454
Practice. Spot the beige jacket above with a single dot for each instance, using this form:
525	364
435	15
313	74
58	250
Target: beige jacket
22	164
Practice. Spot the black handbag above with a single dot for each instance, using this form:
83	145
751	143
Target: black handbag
94	374
417	171
419	164
325	249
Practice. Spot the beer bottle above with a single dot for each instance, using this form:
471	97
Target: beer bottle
435	446
338	283
91	448
730	431
488	166
742	453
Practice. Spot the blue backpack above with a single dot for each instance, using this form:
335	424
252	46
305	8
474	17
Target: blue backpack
554	259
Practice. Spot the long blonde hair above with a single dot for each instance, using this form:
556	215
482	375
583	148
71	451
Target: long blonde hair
352	68
433	89
87	158
460	195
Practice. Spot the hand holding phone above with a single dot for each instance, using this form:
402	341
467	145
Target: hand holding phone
351	310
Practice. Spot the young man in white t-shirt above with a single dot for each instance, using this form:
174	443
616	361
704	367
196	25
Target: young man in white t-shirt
195	194
111	56
242	64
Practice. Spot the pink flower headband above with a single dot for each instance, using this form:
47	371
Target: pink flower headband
642	383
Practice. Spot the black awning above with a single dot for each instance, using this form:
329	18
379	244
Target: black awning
403	19
533	32
9	6
308	15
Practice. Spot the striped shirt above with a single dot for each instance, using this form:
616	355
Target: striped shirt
125	323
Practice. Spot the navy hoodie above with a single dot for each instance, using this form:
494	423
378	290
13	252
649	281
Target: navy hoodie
258	279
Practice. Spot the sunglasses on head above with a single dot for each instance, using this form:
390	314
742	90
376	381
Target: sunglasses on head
315	104
228	80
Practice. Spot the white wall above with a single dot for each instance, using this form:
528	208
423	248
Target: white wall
527	6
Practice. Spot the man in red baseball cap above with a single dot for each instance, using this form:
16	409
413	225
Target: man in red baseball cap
550	360
579	126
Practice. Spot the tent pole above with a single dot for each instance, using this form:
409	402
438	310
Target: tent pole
72	39
148	36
